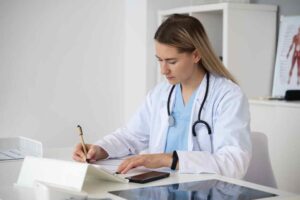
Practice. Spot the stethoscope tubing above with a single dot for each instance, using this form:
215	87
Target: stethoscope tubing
198	121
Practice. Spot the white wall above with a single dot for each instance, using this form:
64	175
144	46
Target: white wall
153	6
135	65
61	63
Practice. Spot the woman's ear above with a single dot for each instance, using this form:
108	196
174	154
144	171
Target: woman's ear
196	56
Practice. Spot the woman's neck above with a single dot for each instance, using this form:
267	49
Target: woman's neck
189	86
193	82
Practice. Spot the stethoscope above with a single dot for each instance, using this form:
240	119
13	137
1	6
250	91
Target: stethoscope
171	119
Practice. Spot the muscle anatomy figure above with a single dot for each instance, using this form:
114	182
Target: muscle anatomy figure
295	56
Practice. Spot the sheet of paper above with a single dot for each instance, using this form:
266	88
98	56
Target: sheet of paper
14	148
113	161
113	164
59	172
11	154
30	147
132	172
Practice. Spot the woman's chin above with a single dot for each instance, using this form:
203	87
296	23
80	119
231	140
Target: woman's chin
172	80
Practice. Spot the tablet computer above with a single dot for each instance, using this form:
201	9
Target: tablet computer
209	189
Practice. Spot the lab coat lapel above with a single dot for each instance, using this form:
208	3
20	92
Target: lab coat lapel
162	133
196	106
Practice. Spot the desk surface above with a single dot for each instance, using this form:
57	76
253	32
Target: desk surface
9	171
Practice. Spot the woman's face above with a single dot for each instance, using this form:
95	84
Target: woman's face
176	67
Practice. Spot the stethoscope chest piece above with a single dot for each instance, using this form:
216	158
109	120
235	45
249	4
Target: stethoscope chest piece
171	121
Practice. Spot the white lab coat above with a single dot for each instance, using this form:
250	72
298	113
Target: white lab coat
227	112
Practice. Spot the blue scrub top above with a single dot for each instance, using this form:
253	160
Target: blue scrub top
177	138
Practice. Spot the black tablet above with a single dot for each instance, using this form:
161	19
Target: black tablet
210	189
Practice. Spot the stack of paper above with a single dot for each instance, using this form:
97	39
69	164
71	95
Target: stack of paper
15	148
67	174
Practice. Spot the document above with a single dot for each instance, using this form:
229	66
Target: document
15	148
110	164
71	174
67	174
113	164
12	154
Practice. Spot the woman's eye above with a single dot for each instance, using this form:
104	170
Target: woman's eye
172	62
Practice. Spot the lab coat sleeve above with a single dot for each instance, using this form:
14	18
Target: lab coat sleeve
132	138
231	140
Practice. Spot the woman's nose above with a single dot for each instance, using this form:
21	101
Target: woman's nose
164	69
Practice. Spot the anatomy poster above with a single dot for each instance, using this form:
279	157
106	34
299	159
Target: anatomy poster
287	66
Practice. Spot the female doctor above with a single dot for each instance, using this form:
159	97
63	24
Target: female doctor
196	122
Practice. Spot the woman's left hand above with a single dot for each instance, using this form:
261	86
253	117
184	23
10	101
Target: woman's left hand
146	160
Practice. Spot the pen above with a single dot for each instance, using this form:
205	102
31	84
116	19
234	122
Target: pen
82	142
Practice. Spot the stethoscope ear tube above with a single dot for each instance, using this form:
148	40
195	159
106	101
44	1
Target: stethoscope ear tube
169	98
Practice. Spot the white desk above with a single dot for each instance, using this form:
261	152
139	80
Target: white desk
9	172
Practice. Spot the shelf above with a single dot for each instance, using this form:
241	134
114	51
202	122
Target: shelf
291	104
232	31
218	6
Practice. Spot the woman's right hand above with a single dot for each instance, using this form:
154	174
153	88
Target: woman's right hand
94	153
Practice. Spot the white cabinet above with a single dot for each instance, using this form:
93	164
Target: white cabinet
280	121
244	35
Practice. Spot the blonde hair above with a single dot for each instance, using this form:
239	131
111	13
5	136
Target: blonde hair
187	34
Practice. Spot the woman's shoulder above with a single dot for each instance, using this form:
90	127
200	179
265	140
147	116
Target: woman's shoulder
224	87
228	96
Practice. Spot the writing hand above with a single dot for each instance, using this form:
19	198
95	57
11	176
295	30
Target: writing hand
94	153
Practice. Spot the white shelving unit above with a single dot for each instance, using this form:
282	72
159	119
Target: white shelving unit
244	35
279	121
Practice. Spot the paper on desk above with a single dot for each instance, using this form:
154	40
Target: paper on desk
113	164
12	154
132	172
68	174
14	148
